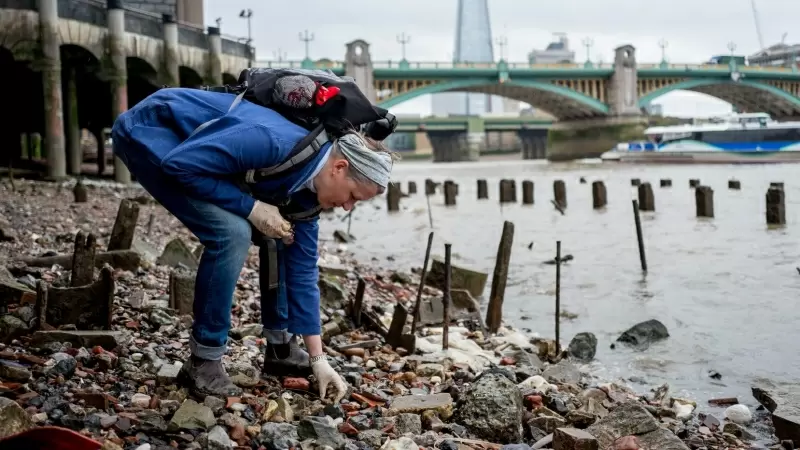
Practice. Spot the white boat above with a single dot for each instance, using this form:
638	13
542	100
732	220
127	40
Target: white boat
748	138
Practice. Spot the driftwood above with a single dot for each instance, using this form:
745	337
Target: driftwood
118	259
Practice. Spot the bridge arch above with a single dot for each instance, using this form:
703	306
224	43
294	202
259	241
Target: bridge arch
142	79
563	103
228	79
189	77
747	95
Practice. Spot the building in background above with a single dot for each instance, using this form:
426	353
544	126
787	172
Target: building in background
557	52
473	44
776	55
187	11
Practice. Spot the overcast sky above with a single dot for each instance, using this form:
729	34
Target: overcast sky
694	29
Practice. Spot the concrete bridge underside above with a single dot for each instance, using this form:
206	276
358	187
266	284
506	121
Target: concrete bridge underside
90	93
752	99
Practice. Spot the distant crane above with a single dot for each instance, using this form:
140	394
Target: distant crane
758	25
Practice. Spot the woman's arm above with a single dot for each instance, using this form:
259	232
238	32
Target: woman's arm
206	163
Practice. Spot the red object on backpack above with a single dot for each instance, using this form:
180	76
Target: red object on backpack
325	93
49	438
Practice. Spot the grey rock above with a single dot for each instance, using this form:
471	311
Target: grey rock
785	408
278	436
408	423
563	372
192	416
373	438
641	335
583	347
322	430
217	439
13	419
492	408
631	418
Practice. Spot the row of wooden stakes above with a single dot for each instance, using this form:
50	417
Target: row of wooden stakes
704	195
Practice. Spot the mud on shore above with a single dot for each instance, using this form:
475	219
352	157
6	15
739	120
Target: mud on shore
118	385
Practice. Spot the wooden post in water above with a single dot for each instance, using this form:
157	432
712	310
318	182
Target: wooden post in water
704	201
694	182
647	201
560	193
446	298
527	192
412	187
558	297
639	238
494	313
635	182
776	204
422	277
358	304
666	182
507	191
450	192
734	184
483	189
430	213
430	187
393	195
599	195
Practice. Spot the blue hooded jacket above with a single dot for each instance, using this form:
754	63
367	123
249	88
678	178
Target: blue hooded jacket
248	137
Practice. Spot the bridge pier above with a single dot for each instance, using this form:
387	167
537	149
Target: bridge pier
51	79
455	146
591	138
118	75
170	72
72	129
214	56
534	143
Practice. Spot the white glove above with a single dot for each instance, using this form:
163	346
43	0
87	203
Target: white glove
268	220
326	375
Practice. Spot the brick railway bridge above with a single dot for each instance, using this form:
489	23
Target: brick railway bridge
77	64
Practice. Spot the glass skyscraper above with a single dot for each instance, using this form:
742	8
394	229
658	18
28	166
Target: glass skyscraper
473	44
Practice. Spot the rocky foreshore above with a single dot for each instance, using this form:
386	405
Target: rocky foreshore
118	385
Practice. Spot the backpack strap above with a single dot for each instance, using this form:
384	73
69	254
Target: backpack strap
303	151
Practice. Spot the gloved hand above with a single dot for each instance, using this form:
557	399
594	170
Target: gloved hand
325	376
268	220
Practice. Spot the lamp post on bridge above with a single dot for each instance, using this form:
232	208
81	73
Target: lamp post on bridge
247	14
306	38
588	43
402	39
502	43
663	44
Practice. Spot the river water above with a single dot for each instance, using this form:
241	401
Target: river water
726	288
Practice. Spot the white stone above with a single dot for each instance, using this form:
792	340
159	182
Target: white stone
739	414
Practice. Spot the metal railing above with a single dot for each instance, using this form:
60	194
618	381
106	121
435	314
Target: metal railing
408	65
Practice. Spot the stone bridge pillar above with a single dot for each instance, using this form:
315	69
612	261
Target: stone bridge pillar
118	75
170	72
51	79
358	65
72	128
454	145
534	143
214	57
624	96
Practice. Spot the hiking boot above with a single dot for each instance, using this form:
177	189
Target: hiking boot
286	360
206	377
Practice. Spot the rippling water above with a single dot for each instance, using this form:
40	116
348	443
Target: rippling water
726	288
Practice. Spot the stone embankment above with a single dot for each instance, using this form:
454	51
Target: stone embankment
117	384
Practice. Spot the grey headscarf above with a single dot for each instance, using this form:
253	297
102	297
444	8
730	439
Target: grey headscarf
374	165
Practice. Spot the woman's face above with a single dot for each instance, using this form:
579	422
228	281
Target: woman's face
335	189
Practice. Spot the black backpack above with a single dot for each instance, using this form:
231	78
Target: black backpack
325	104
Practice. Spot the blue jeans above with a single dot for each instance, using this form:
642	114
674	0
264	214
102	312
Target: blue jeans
225	236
